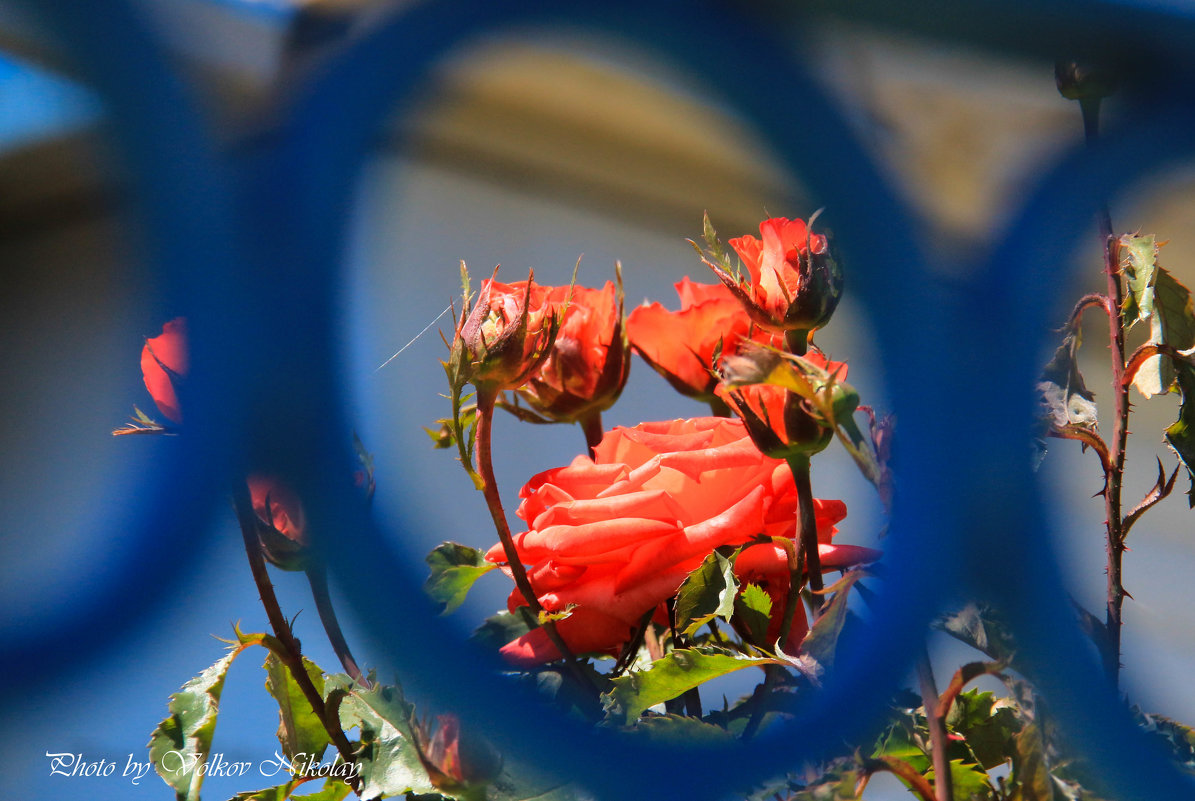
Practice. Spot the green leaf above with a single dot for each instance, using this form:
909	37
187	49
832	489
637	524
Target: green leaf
519	782
989	732
1173	323
180	744
836	784
1063	398
669	677
1138	263
899	740
820	644
1177	738
544	617
454	568
299	730
501	628
1029	767
707	593
679	730
389	758
978	626
968	780
754	608
333	790
1180	435
1155	295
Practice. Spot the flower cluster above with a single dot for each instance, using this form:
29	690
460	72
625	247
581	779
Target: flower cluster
612	536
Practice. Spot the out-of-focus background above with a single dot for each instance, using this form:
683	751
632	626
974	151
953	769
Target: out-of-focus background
529	153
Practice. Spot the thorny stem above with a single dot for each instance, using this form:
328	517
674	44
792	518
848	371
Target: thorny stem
292	655
317	576
796	573
761	692
485	469
936	720
1088	438
1114	479
1089	301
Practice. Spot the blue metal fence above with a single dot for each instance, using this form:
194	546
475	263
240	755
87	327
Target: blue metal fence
224	232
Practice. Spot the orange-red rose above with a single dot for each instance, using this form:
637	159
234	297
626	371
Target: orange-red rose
795	283
164	362
586	368
617	534
682	345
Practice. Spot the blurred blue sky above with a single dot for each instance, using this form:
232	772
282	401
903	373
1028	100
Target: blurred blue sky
35	105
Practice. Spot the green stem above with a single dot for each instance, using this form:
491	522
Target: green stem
796	342
292	655
759	700
807	524
718	408
591	424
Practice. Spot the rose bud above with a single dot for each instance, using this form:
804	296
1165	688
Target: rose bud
164	364
683	346
281	524
455	760
1077	80
586	367
780	422
795	283
504	338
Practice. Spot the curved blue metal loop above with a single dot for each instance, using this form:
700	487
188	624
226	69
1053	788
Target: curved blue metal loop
183	201
1035	258
314	180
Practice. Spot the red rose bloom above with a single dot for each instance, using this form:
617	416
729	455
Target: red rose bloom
587	366
617	534
795	283
163	363
681	345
